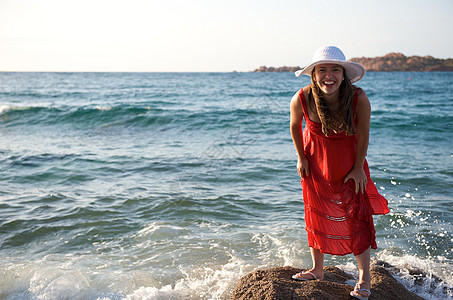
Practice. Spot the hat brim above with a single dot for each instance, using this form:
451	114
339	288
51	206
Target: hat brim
354	71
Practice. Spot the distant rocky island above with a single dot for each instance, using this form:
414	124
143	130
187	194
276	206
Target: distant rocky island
387	63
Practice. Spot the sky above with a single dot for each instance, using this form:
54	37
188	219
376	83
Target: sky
213	35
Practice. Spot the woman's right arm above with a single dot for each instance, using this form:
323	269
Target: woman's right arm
297	116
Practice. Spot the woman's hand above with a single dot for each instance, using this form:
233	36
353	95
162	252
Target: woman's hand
360	179
302	167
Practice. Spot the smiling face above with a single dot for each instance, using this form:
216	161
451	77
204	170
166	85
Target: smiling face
329	78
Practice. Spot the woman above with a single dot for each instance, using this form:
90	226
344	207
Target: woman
339	196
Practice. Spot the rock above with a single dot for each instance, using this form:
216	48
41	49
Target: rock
278	69
390	62
400	62
276	284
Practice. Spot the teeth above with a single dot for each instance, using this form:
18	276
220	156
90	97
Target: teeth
328	82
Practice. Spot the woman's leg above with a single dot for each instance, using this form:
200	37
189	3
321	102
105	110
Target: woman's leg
363	261
318	265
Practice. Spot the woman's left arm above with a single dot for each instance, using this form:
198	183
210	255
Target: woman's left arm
363	134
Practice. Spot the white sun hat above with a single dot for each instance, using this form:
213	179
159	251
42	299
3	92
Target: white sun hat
333	55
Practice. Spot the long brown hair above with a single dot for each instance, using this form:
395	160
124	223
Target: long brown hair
343	119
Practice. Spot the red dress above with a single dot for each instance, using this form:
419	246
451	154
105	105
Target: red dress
338	221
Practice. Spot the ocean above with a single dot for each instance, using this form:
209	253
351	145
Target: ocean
175	185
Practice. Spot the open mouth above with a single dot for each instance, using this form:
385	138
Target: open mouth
329	83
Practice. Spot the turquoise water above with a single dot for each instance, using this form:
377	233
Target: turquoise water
175	185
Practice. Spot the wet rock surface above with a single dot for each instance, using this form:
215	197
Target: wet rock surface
277	284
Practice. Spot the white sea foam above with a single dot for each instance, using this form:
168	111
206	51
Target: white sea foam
4	108
140	271
438	281
112	275
39	281
102	108
202	282
34	281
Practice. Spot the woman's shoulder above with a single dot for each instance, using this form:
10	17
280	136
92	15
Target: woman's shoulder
363	103
360	94
304	90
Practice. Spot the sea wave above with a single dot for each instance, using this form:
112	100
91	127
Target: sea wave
144	116
96	276
175	185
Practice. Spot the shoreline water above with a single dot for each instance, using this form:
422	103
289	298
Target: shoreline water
122	186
